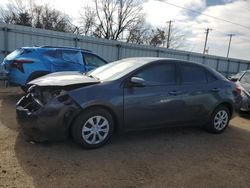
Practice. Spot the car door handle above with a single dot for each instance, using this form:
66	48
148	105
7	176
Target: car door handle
173	93
215	89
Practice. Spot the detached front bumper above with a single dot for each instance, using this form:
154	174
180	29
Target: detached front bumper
45	122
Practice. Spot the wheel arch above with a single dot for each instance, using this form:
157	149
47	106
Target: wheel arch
117	124
228	105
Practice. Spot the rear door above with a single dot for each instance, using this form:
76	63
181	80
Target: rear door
152	105
65	60
196	92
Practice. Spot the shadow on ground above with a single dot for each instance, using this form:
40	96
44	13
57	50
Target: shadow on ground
173	157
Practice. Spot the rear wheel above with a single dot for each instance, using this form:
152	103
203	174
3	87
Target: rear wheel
93	128
219	120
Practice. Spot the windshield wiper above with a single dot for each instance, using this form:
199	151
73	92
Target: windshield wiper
92	76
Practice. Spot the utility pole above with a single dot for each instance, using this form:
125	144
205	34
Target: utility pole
169	31
205	45
229	45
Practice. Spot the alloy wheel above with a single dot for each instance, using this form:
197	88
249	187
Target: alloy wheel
220	120
95	130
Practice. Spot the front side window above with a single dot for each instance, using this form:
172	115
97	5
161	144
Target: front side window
93	60
70	56
159	74
192	74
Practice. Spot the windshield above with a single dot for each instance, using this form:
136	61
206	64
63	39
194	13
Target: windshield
116	69
246	78
238	75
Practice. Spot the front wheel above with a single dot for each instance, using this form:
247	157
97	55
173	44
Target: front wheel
93	128
219	120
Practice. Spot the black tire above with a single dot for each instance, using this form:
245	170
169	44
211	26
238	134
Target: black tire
219	120
82	122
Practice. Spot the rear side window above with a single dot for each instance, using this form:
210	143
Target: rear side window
159	74
192	74
50	53
93	60
64	55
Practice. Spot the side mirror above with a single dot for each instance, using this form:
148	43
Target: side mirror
137	82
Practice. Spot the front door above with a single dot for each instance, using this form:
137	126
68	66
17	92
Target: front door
154	104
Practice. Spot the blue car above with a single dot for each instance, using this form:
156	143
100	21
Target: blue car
28	63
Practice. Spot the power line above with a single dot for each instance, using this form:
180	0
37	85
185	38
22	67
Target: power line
198	12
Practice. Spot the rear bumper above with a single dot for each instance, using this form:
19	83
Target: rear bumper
48	122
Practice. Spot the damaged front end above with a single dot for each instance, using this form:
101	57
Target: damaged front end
46	112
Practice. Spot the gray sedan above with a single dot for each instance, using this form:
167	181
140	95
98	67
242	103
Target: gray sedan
129	94
243	80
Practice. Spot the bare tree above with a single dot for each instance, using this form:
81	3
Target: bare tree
139	32
36	16
48	18
177	39
158	37
88	20
113	17
14	13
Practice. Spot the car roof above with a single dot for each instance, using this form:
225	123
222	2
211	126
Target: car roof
146	60
59	47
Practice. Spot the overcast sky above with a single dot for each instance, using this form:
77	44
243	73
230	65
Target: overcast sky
191	24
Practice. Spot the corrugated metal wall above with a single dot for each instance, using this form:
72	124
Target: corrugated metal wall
14	36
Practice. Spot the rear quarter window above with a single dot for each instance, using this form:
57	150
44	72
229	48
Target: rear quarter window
17	52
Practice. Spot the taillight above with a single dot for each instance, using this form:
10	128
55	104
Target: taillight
18	64
238	89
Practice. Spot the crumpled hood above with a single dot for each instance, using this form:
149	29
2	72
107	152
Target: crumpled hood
63	79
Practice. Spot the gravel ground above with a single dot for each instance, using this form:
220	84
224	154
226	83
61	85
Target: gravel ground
173	157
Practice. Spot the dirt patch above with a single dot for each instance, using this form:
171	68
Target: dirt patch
173	157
